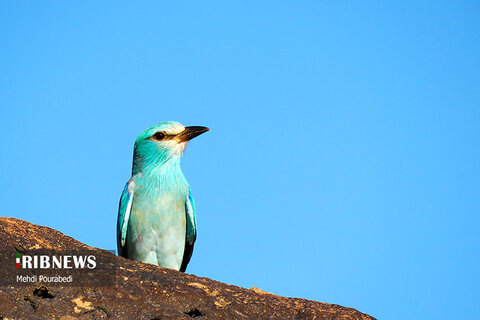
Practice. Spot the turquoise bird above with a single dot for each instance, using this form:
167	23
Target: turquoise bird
156	217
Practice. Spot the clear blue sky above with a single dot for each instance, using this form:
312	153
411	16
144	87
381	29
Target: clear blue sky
343	162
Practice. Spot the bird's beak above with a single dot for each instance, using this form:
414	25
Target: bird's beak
191	132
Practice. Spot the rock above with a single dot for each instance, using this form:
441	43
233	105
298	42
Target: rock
133	290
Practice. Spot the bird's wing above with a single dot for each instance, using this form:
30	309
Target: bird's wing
191	234
123	215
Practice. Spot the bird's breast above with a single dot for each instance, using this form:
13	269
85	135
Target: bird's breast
157	229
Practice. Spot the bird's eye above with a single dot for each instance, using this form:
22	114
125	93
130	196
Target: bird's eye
158	136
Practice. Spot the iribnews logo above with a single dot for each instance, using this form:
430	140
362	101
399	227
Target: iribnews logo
55	261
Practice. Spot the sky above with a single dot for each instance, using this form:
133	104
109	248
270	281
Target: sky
343	159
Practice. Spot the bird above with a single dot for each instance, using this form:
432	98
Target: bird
156	217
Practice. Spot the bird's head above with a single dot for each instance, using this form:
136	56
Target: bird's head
163	142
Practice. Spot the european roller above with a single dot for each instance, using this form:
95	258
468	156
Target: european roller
156	217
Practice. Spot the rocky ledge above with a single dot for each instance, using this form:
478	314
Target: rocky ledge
134	290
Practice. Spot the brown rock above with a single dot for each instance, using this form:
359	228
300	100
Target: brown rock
134	290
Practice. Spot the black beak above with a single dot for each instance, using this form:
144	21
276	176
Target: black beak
191	132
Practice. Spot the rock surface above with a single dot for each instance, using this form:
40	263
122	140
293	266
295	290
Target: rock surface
139	291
